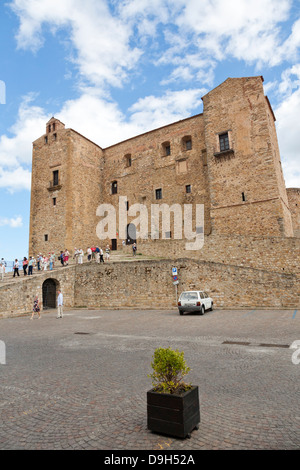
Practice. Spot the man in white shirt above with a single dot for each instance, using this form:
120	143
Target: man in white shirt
59	305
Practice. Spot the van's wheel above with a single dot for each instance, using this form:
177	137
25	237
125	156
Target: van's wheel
202	311
212	307
180	312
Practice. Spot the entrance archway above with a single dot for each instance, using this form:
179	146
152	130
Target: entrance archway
131	234
49	293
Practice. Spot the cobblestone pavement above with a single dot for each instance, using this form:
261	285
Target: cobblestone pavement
80	382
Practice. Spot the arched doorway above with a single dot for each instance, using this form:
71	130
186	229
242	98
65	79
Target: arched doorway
131	234
49	293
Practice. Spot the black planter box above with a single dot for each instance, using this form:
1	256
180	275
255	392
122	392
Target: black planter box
174	415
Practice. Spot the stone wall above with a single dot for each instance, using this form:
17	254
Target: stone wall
275	254
17	294
148	284
294	204
152	167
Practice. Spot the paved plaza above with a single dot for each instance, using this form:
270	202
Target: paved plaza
80	382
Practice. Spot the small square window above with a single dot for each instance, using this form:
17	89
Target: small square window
46	140
224	142
54	136
168	150
158	193
54	201
188	188
46	238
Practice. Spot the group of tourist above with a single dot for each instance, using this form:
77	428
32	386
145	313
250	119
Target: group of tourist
96	253
42	263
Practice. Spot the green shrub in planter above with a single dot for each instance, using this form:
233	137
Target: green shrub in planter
169	368
172	405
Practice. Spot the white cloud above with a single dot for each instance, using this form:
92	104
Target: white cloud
172	106
16	150
31	121
110	37
16	179
15	222
187	38
243	28
106	125
288	127
290	80
103	53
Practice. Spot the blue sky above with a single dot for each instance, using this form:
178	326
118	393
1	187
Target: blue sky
114	69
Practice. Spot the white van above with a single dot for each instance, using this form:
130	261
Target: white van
195	301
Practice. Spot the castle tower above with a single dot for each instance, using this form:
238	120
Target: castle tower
65	190
247	189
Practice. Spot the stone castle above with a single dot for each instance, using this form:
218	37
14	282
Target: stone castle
226	158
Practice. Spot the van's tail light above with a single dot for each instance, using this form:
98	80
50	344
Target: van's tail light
179	304
198	304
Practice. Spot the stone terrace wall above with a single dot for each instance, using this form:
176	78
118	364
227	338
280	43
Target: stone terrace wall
148	284
271	253
17	296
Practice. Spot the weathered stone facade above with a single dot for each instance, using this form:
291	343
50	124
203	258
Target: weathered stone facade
240	182
294	205
148	284
65	190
